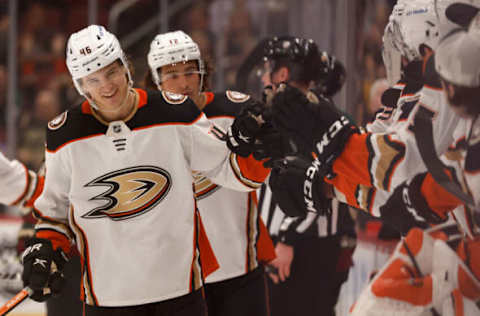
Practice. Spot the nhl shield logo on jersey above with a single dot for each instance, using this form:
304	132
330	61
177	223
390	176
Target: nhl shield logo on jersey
130	192
58	121
237	97
174	98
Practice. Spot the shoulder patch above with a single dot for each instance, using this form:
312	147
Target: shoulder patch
237	97
58	122
174	98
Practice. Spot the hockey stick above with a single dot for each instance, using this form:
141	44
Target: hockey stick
15	301
417	268
423	131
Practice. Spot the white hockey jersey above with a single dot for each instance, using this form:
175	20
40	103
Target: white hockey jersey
384	160
234	228
123	191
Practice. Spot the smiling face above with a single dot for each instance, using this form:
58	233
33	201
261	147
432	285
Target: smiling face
107	87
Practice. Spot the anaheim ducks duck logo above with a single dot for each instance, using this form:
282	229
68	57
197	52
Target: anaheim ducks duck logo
131	192
174	98
237	97
58	121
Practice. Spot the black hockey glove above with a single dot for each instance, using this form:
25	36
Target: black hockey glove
42	268
297	186
241	135
407	208
270	145
318	128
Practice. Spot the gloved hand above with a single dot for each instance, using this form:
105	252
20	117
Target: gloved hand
318	128
407	208
297	186
270	145
241	135
42	268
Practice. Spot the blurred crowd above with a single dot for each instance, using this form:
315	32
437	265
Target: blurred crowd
45	88
372	17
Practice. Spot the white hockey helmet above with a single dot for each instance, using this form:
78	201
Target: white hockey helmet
415	23
172	48
456	59
449	20
91	49
458	12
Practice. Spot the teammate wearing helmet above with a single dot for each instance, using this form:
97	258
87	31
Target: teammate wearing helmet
119	183
445	274
411	283
236	232
385	158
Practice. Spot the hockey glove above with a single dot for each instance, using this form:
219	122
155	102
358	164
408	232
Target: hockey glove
297	186
318	128
270	145
42	268
407	208
241	135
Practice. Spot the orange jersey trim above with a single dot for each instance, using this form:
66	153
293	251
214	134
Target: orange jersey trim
209	97
265	247
396	283
207	256
414	240
353	162
347	188
85	261
165	124
249	171
135	129
438	199
142	100
432	88
457	299
36	193
469	252
58	239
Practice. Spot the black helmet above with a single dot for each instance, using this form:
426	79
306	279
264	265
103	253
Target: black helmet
290	47
300	55
303	59
331	75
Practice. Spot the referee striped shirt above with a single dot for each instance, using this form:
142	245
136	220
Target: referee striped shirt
337	221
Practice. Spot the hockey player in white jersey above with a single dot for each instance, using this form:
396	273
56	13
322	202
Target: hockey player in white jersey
233	226
394	299
367	167
119	183
437	272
